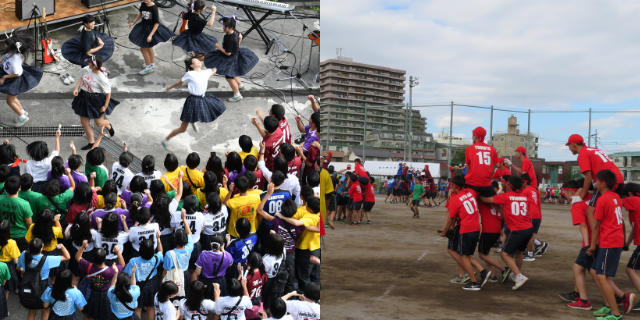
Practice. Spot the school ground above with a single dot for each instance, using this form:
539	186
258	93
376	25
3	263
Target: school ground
398	268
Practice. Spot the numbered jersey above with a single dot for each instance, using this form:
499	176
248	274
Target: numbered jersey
108	244
121	175
594	160
534	194
206	306
464	207
150	177
241	248
215	223
490	218
515	207
609	213
481	159
138	233
195	221
274	203
272	264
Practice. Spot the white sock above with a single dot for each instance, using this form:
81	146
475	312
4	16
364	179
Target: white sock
530	253
537	242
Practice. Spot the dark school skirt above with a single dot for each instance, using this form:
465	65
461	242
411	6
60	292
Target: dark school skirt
167	242
148	291
54	316
72	49
88	104
222	281
132	317
140	32
30	78
98	306
235	65
12	284
195	42
4	309
202	109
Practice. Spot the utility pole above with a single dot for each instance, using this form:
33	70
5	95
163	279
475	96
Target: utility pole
491	126
595	138
364	132
528	130
413	81
589	142
450	135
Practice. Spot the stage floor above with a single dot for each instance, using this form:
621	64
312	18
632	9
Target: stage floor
65	10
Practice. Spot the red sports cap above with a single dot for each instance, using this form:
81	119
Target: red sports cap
480	132
575	139
522	150
500	160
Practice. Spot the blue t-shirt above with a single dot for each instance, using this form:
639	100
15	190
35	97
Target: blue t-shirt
117	308
75	300
145	267
241	248
274	203
50	263
182	256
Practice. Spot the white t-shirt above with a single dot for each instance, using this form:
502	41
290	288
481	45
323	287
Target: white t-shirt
272	264
316	191
95	82
225	304
139	233
40	169
94	235
206	307
286	317
150	177
122	176
109	243
164	310
300	310
197	81
291	183
12	64
215	223
195	220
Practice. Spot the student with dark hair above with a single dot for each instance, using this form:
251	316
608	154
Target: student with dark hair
233	166
148	33
194	39
9	157
47	229
200	106
271	203
59	199
215	217
148	170
308	307
120	172
631	203
193	176
63	298
84	198
194	218
137	187
147	269
246	147
16	210
144	230
275	267
111	235
9	254
58	172
173	175
277	111
95	164
243	205
110	205
214	164
212	265
294	162
232	304
161	215
311	130
251	166
40	164
79	49
163	307
196	306
210	186
256	281
278	310
179	257
75	162
123	294
291	182
271	141
243	245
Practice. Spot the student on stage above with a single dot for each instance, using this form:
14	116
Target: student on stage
148	33
193	39
79	49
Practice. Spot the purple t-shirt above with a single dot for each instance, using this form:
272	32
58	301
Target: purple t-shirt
126	196
101	281
79	177
288	232
310	138
64	182
234	174
100	213
210	261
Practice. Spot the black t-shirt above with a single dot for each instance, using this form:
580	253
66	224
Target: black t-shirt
230	42
149	14
88	40
196	22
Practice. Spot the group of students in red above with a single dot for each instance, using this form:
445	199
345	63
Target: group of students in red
355	196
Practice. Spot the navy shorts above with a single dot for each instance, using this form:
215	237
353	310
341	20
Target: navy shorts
634	262
468	242
517	241
536	224
454	239
415	202
606	261
584	260
330	200
487	240
367	206
483	191
355	205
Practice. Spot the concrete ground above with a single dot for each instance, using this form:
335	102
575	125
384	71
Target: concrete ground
398	268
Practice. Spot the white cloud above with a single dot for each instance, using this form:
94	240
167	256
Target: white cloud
443	122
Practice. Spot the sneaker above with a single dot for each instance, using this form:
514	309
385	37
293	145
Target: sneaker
619	300
512	277
520	280
505	274
636	307
602	311
493	278
541	249
484	277
529	258
580	304
545	247
164	145
457	280
627	303
610	317
569	297
235	98
71	79
22	119
473	286
195	128
148	69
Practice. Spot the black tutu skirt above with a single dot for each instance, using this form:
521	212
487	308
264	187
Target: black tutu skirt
197	43
202	109
98	306
72	49
140	32
30	78
235	65
88	104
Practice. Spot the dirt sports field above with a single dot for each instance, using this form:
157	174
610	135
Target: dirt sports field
398	268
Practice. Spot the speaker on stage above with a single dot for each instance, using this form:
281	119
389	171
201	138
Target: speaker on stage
24	8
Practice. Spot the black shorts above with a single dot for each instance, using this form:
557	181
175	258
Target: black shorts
634	262
517	241
594	198
330	201
454	239
395	192
367	206
415	202
536	225
487	240
606	261
343	200
468	242
355	205
434	195
389	191
483	191
584	260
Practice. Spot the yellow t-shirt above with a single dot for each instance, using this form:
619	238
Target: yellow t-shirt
253	152
309	240
196	176
202	198
100	202
10	251
57	234
302	210
255	191
173	178
243	207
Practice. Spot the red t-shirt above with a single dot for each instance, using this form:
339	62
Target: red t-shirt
405	170
534	197
501	173
464	207
360	171
609	213
355	192
594	160
272	144
286	133
260	180
527	167
255	282
294	166
427	173
579	215
515	209
632	204
452	171
76	208
481	159
369	193
490	218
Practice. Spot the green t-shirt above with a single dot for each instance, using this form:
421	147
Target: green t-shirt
15	210
4	272
101	174
37	201
59	202
172	194
418	190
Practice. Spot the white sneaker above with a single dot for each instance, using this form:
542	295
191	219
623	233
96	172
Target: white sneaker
241	87
70	78
529	258
148	69
520	280
194	126
22	119
235	98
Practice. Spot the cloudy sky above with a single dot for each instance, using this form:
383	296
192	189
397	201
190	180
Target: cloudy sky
542	55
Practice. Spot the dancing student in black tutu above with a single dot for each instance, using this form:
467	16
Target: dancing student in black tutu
193	39
200	105
231	60
93	99
148	33
16	77
89	42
